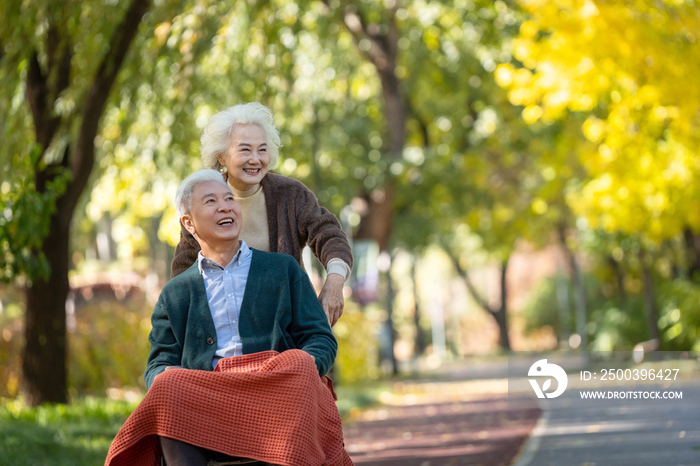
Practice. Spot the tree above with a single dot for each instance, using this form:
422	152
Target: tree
619	64
65	112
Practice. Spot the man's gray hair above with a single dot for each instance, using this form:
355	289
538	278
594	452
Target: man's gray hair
183	197
216	138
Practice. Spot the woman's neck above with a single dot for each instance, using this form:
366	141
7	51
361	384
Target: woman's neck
245	193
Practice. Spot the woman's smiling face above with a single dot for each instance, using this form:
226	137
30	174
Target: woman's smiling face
246	159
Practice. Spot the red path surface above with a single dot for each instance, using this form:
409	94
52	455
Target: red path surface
485	431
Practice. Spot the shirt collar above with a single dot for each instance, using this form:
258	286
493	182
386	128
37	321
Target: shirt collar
243	253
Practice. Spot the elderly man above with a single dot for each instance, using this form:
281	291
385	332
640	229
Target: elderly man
235	301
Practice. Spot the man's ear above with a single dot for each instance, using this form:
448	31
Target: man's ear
187	223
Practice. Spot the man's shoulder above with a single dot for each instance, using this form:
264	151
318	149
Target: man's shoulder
182	283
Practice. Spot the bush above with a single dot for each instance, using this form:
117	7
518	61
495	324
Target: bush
356	361
542	306
110	346
679	315
611	326
11	343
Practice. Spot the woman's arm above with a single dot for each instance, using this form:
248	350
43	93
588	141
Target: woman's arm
327	240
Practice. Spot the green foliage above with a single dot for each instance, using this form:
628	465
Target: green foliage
611	325
542	306
617	325
614	327
60	435
679	319
24	223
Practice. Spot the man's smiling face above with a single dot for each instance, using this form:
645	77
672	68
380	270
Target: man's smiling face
215	216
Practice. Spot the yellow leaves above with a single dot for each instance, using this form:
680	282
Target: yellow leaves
651	193
539	206
533	5
169	229
361	89
532	113
557	101
528	29
431	37
630	62
523	77
606	153
588	9
594	129
648	95
161	32
112	132
523	50
504	75
583	103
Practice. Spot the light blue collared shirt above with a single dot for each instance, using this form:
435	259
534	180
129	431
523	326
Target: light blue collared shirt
225	287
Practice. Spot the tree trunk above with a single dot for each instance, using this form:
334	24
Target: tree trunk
390	321
44	355
579	291
692	244
501	315
650	300
419	342
620	280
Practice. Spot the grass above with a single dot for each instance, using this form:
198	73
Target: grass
81	433
352	399
58	435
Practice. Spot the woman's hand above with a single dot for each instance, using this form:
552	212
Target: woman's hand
331	297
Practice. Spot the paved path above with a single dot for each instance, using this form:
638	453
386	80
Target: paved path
453	429
617	433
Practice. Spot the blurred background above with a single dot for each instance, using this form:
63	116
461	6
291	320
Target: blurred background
512	175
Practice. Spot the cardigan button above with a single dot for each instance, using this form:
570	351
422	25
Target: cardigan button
210	341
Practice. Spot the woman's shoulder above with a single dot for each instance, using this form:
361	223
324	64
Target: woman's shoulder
273	258
281	182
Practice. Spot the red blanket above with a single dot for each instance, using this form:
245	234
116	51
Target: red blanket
267	406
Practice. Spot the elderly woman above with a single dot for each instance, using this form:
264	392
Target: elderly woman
239	343
282	215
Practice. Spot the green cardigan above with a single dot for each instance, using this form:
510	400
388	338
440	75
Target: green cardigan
280	311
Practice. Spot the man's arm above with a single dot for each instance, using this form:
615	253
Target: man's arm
310	329
165	351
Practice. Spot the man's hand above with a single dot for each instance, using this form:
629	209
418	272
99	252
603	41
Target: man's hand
331	297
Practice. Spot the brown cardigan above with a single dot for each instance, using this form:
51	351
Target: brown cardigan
294	219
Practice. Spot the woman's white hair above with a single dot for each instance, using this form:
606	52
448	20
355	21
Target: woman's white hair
216	138
183	197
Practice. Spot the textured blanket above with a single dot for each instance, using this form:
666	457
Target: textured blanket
267	406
